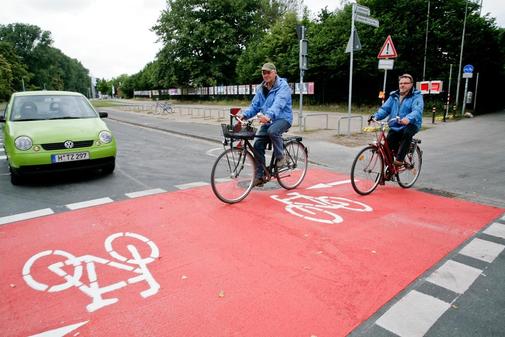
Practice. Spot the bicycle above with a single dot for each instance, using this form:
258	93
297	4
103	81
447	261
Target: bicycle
373	165
234	170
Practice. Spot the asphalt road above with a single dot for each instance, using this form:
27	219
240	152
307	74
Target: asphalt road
463	159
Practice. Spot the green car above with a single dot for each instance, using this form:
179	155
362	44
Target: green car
50	131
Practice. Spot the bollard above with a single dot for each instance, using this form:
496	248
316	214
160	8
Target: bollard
433	112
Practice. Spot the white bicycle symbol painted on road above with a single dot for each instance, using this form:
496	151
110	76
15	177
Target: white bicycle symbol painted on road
320	209
136	264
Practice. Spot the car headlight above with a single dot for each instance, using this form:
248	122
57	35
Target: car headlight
105	137
23	143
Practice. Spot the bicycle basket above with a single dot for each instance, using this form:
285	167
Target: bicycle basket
237	132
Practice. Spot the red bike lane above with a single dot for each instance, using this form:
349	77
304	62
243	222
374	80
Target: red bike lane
317	260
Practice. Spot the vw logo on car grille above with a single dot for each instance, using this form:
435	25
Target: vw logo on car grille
69	144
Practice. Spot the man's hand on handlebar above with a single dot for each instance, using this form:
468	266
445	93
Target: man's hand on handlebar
371	119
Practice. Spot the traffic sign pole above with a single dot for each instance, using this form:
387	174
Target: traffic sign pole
350	71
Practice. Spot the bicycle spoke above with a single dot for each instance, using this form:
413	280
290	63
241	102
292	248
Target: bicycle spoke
294	172
366	170
233	175
409	173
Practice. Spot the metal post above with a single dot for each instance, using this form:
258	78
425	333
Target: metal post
464	98
350	70
461	58
426	39
448	93
23	83
384	84
300	115
475	94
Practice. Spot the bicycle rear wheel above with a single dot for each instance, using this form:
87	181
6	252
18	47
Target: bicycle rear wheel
232	175
292	175
410	171
366	171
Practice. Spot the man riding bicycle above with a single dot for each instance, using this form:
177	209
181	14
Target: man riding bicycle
272	105
404	107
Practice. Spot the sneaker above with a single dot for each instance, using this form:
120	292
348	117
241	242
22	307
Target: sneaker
397	163
258	182
281	162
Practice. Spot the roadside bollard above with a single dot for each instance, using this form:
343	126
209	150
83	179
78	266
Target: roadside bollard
433	112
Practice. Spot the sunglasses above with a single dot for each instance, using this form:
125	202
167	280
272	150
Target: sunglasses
266	72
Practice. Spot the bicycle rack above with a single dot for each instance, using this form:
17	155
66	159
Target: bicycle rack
314	115
349	119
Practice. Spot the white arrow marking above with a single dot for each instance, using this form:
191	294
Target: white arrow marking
60	332
335	183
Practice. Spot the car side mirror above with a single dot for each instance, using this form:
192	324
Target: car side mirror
103	114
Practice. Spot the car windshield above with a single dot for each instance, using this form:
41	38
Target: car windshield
44	107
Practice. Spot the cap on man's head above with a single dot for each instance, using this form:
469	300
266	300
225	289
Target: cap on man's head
269	66
407	76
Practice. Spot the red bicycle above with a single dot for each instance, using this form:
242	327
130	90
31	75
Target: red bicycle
374	164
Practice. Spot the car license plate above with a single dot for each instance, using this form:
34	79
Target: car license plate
58	158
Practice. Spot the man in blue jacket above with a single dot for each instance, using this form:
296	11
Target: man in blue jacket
272	105
407	104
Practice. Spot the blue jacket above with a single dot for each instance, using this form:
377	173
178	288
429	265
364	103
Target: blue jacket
276	105
411	107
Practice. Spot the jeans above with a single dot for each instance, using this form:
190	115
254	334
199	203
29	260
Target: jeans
274	131
399	141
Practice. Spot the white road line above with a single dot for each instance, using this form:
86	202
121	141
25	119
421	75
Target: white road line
413	315
326	185
482	250
89	203
3	157
496	229
144	193
191	185
454	276
60	332
26	215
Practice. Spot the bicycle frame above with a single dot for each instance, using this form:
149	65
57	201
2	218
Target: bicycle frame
270	170
383	147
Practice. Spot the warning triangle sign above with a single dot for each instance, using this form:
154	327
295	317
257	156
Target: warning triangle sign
388	50
357	43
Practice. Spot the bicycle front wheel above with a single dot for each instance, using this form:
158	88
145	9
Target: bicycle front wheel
292	175
366	171
232	175
410	171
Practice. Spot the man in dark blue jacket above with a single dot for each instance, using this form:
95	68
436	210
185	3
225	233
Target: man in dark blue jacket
272	105
407	104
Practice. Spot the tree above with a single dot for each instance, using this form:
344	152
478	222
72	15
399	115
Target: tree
203	47
28	50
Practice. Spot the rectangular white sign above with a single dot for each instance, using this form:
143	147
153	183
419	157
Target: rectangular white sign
367	20
362	10
386	64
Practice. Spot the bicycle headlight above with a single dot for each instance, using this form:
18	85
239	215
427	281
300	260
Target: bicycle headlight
105	137
23	143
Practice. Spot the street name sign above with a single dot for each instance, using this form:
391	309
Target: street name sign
365	11
367	20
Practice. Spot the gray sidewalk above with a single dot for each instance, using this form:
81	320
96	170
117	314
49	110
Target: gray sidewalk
462	159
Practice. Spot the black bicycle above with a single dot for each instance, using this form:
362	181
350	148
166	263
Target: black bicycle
233	173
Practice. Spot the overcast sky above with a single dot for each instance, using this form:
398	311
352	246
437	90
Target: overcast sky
113	37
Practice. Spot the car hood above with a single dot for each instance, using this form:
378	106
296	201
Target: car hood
58	130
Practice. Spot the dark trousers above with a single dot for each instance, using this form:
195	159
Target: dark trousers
399	141
274	131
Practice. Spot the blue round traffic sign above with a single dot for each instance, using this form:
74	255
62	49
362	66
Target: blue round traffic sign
468	68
